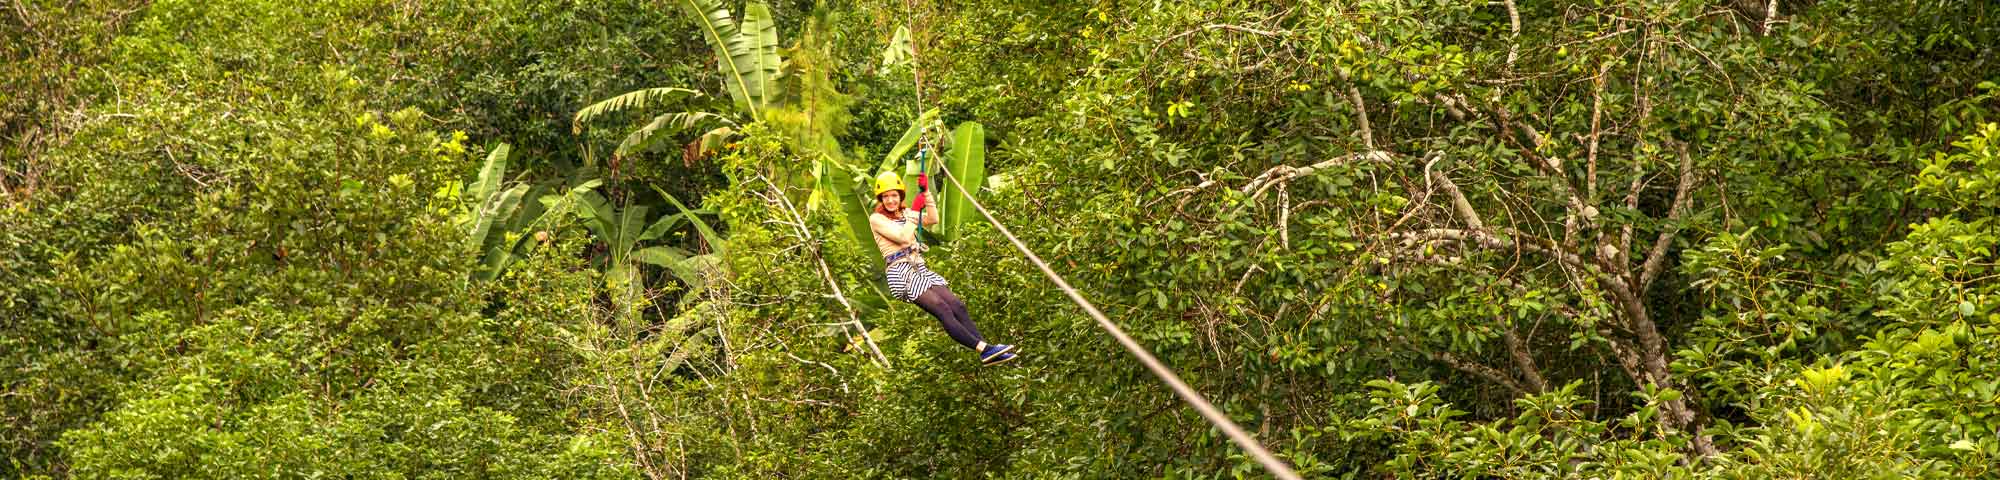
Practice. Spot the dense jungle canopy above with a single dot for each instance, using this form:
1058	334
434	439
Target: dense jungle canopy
628	238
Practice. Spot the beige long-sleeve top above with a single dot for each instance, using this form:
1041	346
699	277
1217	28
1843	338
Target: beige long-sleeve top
893	235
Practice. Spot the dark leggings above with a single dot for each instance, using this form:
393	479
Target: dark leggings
950	312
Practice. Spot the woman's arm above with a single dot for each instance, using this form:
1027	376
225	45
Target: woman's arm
930	216
899	234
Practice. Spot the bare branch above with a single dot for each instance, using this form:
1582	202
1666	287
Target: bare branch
1284	173
1482	371
1458	202
1360	111
1551	167
1514	239
1217	26
1627	359
1622	255
1596	119
826	274
1656	258
1598	38
1267	33
1284	217
1524	360
1513	39
1205	183
1770	15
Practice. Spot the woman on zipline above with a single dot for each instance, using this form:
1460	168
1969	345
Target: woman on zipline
909	279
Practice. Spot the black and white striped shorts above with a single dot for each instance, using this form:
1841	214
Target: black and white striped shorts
907	280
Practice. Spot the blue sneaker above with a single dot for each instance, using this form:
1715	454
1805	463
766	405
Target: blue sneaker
996	354
1001	359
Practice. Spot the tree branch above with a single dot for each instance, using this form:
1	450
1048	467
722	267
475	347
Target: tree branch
1524	360
1656	258
1487	239
1513	39
1360	111
1477	369
1622	256
1550	167
1770	15
826	274
1458	202
1596	119
1284	173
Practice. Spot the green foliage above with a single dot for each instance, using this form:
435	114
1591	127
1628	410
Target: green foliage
967	161
1969	178
747	56
622	230
640	98
899	52
501	223
915	133
1394	239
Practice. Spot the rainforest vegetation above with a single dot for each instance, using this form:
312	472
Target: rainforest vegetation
629	238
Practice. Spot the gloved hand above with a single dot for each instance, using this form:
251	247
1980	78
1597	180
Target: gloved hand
922	199
923	182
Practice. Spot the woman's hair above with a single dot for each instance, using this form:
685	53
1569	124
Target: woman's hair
883	207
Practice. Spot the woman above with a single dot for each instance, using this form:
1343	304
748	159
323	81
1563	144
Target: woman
909	279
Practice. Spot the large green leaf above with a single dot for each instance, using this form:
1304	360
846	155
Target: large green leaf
502	212
761	32
598	215
634	99
747	56
674	260
493	209
848	184
667	223
492	242
644	138
899	51
967	161
631	222
685	349
491	174
719	28
708	234
664	256
521	223
910	138
661	227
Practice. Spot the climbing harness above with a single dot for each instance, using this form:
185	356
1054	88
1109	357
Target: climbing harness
906	251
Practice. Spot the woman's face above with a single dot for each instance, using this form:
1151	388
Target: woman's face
892	200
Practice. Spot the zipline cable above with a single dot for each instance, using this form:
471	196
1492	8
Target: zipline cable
1208	411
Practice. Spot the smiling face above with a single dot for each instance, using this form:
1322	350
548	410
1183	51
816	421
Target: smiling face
891	200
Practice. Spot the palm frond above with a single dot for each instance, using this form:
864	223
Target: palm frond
644	138
910	138
899	51
720	29
491	174
708	234
633	99
967	161
762	33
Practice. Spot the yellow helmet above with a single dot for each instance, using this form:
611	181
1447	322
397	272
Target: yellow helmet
888	180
